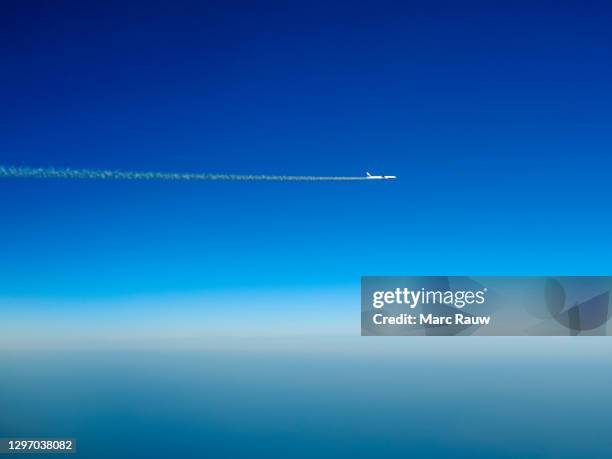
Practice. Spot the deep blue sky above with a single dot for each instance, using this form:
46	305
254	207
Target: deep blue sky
496	117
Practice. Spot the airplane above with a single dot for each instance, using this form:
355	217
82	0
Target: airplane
380	177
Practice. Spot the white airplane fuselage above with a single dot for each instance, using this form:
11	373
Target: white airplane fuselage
380	177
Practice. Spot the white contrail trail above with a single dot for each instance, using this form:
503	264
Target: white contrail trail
89	174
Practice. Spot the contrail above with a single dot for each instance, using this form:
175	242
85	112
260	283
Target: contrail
91	174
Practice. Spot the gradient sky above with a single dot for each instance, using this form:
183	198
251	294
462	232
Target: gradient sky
495	116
